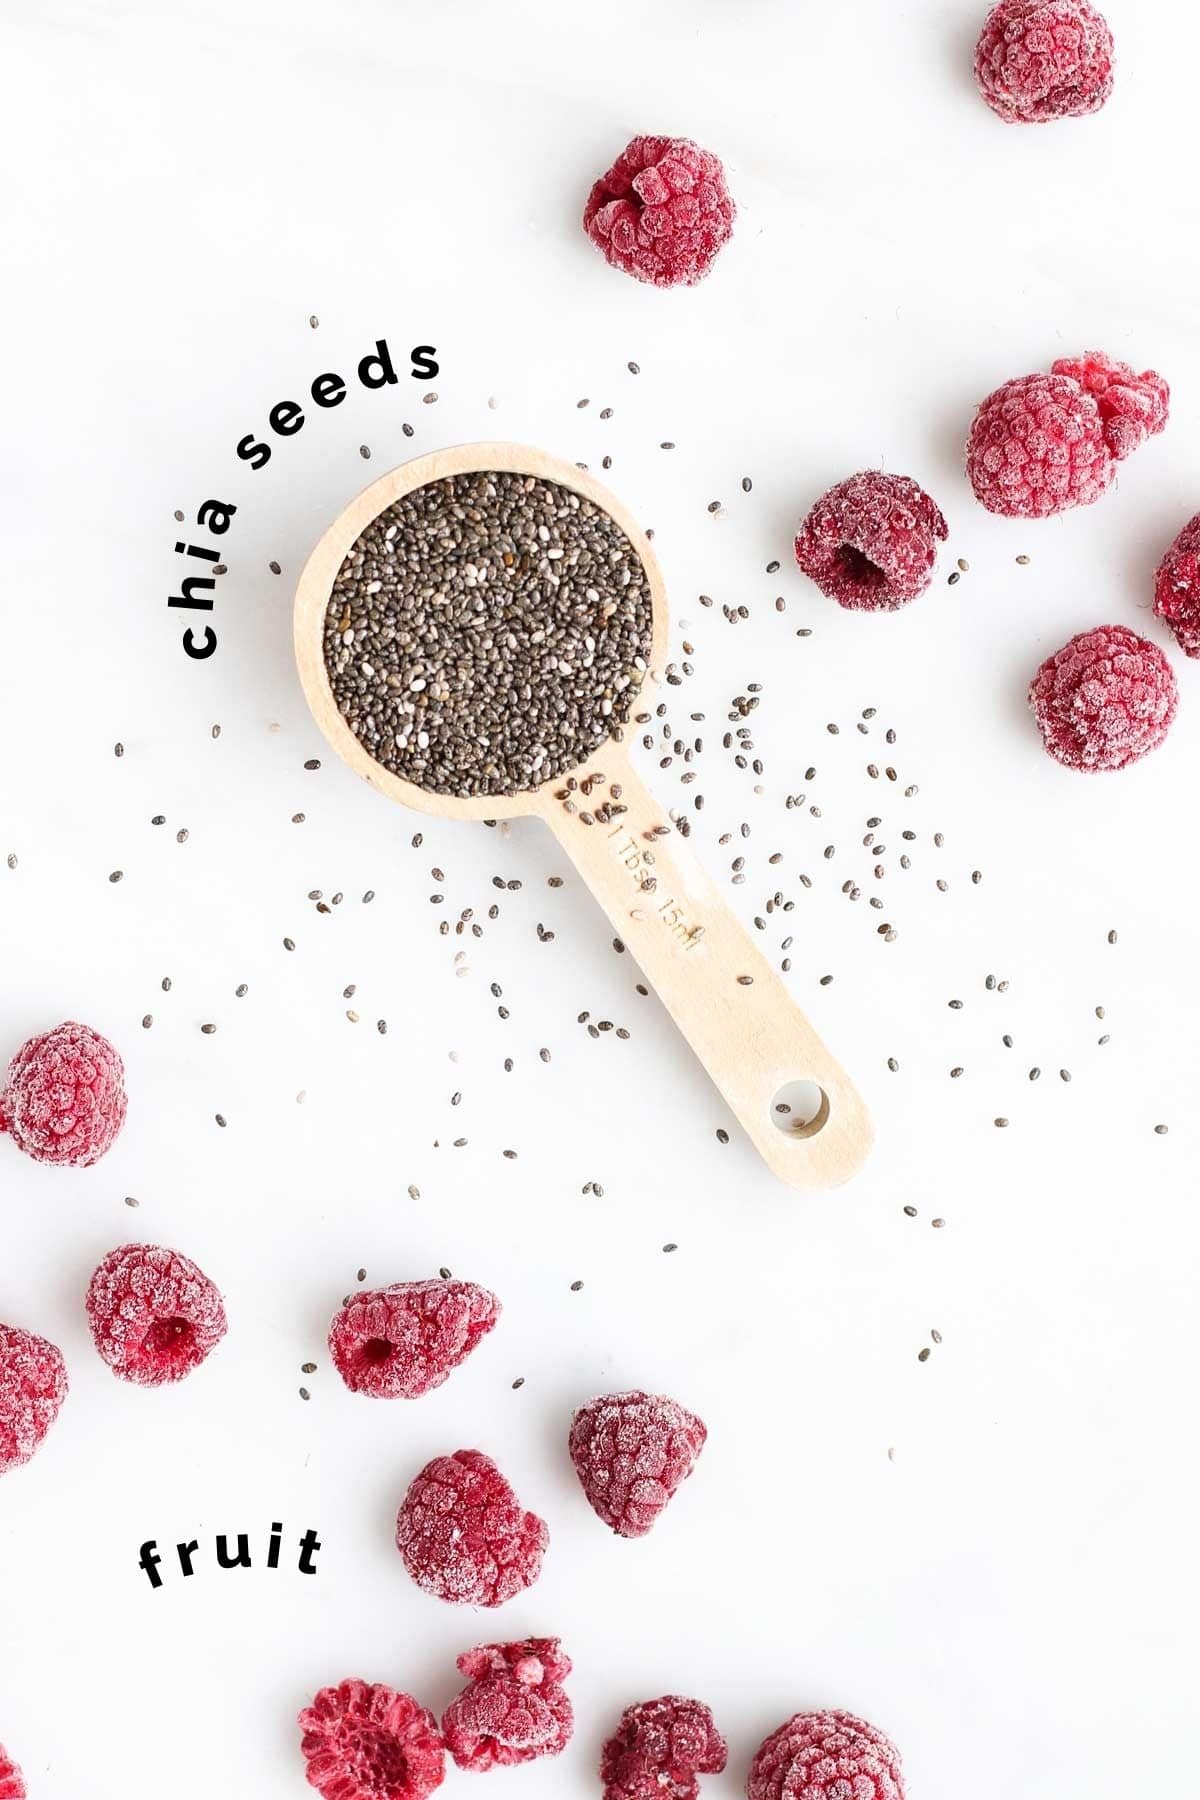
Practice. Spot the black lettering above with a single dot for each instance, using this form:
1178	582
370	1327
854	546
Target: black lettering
309	1545
188	599
273	1549
196	651
386	372
149	1560
241	1560
212	510
251	451
185	1552
424	362
286	418
197	550
329	390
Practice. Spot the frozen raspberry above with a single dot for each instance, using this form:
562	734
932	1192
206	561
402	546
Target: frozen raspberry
1104	700
65	1098
12	1787
515	1708
364	1742
631	1452
154	1315
826	1756
1044	443
662	212
33	1385
1177	588
870	543
658	1750
463	1536
402	1341
1044	59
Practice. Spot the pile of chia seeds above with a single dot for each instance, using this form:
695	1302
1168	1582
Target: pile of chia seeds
488	633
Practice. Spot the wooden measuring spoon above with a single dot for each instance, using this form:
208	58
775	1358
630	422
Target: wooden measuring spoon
725	997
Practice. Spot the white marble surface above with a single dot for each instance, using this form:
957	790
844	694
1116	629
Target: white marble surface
989	1554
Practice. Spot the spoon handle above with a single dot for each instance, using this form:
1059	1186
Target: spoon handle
727	1000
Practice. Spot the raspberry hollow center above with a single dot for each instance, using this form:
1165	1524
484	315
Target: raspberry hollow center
380	1766
377	1350
860	569
168	1338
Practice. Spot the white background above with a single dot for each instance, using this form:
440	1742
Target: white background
1010	1592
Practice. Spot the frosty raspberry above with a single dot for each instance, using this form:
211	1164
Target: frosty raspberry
871	542
1044	59
154	1315
364	1742
631	1453
662	212
404	1340
464	1537
820	1755
514	1708
1104	700
1044	443
12	1787
659	1750
1177	588
33	1386
64	1102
